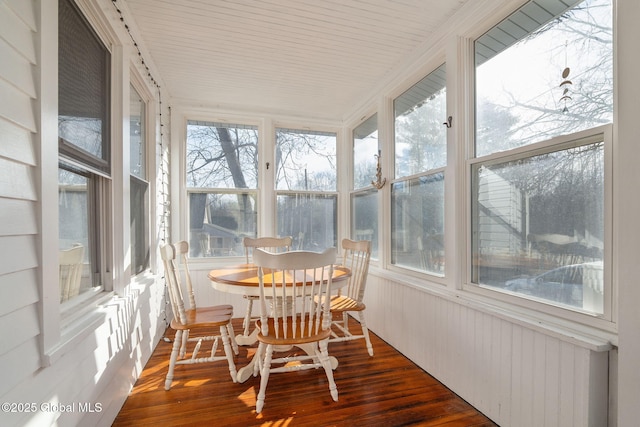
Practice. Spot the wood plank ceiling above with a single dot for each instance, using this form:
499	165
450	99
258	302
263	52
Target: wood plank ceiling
318	59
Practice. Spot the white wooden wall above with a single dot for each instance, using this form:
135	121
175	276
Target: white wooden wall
102	365
19	288
515	375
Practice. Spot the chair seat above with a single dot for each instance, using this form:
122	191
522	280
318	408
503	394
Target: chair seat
289	339
341	303
203	317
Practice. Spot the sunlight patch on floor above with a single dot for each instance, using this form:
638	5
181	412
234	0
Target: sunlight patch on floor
195	383
278	423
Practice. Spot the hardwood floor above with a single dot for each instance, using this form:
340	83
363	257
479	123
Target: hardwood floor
384	390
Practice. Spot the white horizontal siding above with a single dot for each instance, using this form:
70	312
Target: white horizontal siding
25	11
19	292
14	30
16	143
20	72
17	217
17	180
10	298
16	106
22	363
25	320
17	253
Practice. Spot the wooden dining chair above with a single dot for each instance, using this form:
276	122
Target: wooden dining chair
356	256
194	324
70	271
271	244
290	284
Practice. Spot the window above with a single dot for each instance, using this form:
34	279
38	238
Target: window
306	187
544	88
83	124
222	182
417	193
544	72
139	191
364	197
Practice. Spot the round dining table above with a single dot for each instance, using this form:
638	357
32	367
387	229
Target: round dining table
243	279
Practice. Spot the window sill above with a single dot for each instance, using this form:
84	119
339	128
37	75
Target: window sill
77	326
587	336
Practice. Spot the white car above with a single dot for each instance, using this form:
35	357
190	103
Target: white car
568	284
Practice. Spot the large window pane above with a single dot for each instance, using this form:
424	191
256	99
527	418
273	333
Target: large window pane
305	160
306	188
364	223
221	155
83	79
417	215
543	73
417	194
538	226
139	187
219	221
139	224
76	225
364	198
309	218
137	134
420	136
365	150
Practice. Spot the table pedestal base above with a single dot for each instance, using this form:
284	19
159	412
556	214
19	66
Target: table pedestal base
246	372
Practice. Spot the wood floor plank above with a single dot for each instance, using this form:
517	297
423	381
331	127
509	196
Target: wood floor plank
384	390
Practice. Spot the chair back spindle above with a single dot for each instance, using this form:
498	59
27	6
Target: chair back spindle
294	311
270	244
295	293
356	256
172	278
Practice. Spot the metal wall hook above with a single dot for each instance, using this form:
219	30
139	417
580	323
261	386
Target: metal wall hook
448	122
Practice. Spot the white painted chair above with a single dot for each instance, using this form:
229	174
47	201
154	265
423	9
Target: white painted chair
356	256
271	244
294	319
194	324
70	272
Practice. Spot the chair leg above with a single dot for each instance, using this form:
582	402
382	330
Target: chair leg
323	355
257	359
365	332
264	377
345	322
226	343
246	323
177	343
232	336
185	341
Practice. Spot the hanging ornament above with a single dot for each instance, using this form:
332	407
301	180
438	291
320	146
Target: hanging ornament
566	84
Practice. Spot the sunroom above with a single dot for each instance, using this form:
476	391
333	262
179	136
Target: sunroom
485	147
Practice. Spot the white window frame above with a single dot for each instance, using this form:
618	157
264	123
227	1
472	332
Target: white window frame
179	199
334	194
529	311
366	189
136	80
440	279
64	327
